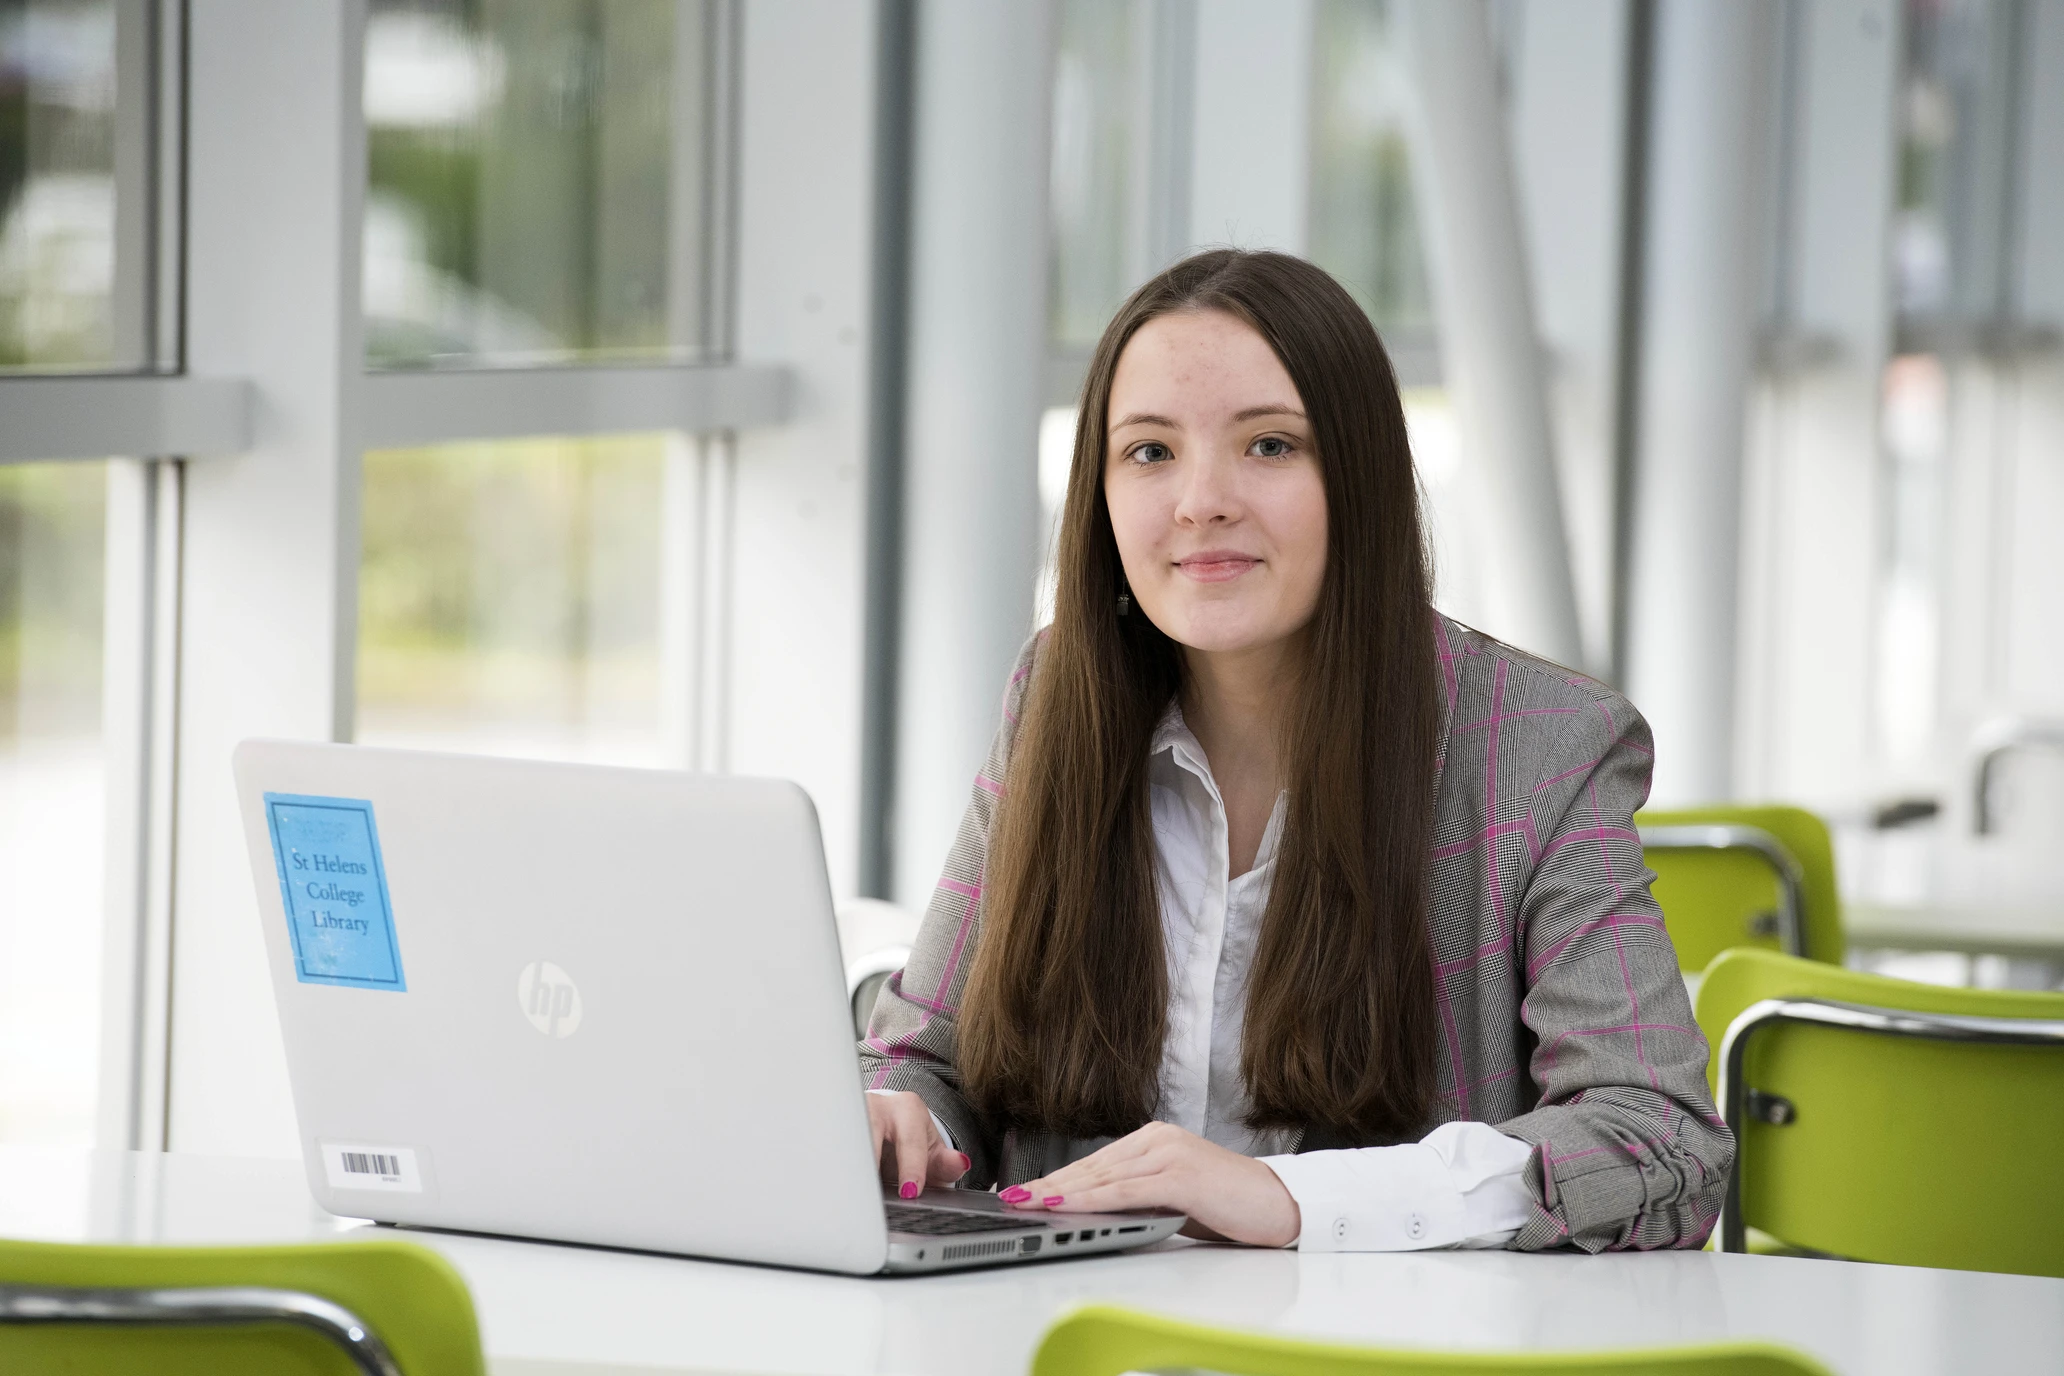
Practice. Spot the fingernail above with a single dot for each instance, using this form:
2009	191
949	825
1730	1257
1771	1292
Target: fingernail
1016	1194
909	1190
1052	1200
967	1163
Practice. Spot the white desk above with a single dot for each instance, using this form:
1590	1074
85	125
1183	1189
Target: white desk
564	1310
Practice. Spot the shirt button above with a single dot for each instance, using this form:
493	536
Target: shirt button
1415	1227
1340	1228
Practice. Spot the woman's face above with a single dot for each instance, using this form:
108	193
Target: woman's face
1213	485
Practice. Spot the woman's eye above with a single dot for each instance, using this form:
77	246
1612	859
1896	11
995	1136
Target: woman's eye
1272	447
1150	452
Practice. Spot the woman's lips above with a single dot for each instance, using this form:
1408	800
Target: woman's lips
1217	566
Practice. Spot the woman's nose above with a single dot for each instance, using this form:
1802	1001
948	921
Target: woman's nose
1208	495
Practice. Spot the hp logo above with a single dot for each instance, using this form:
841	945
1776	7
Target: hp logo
549	999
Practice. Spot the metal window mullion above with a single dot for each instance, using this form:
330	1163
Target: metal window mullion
139	700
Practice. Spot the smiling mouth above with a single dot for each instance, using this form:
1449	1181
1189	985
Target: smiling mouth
1217	567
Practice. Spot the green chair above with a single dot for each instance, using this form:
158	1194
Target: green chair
1882	1120
1103	1341
373	1308
1744	876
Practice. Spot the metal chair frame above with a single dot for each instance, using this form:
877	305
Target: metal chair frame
1734	836
1893	1022
210	1306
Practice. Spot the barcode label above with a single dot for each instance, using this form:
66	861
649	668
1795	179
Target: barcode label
362	1166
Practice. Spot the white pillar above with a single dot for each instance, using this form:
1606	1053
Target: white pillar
977	358
1707	243
269	600
1490	344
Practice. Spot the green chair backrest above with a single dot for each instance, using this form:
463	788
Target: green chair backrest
1715	900
1102	1340
1891	1146
408	1296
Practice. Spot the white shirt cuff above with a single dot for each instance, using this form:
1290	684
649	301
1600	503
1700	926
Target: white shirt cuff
1463	1185
944	1136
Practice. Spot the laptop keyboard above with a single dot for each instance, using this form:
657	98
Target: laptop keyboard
946	1222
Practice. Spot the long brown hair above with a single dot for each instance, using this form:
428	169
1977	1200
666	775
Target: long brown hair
1061	1028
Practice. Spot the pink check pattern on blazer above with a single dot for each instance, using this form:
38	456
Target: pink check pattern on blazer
1564	1022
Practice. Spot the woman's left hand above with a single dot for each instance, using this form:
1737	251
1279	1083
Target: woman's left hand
1227	1196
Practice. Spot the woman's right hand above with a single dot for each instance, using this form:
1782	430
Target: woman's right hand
908	1145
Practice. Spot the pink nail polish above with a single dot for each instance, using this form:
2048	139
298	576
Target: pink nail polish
1052	1200
967	1163
1016	1194
909	1190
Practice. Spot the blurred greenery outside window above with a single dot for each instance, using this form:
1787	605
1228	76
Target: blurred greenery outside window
508	598
57	184
1364	225
538	193
1100	127
52	798
538	181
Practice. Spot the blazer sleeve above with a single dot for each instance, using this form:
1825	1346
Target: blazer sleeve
911	1036
1628	1152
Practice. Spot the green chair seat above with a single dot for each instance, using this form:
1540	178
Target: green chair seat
1721	880
1102	1340
1882	1120
221	1311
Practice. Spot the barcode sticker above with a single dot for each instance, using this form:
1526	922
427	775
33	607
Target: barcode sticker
360	1166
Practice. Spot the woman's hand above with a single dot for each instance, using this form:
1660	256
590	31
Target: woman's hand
1227	1196
908	1145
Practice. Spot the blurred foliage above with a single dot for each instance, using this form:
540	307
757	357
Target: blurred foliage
1364	222
57	127
541	202
515	580
52	538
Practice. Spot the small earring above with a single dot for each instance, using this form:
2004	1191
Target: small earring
1125	602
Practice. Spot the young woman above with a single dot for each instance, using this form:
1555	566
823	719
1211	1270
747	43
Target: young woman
1284	900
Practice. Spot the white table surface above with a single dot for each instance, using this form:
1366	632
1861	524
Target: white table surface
563	1310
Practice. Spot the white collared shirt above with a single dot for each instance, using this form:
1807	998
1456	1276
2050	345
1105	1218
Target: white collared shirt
1460	1186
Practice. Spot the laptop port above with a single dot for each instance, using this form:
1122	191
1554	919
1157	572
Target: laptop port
1059	1238
1135	1228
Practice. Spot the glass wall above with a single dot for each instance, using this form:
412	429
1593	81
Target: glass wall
57	185
1101	125
540	191
539	181
509	598
1364	226
52	519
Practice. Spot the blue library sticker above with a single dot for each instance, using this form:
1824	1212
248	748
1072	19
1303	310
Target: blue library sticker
328	854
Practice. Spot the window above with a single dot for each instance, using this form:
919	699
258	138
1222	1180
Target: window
52	799
57	185
1364	226
1100	166
541	191
538	181
509	598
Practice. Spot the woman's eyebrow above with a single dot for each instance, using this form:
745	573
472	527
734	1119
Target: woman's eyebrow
1254	412
1145	418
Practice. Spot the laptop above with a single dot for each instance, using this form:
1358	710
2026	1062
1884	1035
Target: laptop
591	1005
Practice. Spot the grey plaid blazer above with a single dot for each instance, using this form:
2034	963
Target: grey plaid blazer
1564	1021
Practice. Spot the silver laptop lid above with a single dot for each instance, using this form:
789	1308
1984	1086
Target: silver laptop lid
563	1001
